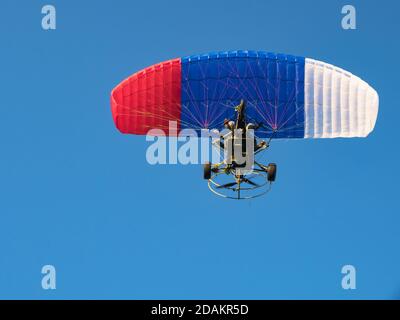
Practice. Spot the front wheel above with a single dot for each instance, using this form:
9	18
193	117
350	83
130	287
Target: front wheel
207	170
271	172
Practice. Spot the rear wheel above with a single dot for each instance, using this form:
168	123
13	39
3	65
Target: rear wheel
207	170
271	172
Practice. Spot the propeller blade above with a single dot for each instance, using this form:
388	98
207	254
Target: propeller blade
227	185
250	182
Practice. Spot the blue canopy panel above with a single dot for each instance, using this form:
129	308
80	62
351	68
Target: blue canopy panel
272	86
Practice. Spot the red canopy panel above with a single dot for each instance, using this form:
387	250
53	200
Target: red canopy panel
149	99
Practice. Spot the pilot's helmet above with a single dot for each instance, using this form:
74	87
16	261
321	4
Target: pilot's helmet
229	124
250	126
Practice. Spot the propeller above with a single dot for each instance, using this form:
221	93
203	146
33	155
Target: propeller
250	182
227	185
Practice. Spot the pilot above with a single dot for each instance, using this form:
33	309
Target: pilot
229	124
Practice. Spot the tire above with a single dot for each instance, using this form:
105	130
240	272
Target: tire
207	170
271	172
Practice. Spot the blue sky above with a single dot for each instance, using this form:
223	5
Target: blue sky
77	194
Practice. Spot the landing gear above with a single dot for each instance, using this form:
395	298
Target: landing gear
207	170
246	184
271	172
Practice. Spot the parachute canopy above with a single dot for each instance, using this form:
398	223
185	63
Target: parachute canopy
289	96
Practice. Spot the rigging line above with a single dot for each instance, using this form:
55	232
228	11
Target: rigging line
192	115
269	87
281	130
260	113
238	91
276	87
219	116
189	91
205	91
273	107
216	104
286	108
242	83
208	102
234	74
278	73
290	103
203	83
215	109
257	88
225	82
292	97
192	101
289	118
157	116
